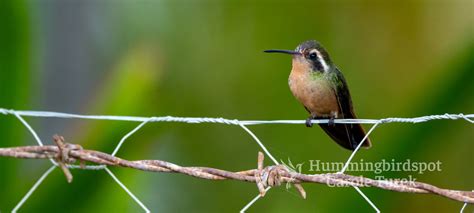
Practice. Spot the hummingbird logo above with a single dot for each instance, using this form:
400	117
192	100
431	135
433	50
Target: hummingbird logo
292	168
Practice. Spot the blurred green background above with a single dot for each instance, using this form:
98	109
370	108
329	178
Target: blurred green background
204	58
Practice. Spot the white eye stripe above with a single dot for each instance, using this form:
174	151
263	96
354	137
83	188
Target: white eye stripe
321	59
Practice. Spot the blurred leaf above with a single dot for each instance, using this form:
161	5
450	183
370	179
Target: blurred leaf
130	84
15	74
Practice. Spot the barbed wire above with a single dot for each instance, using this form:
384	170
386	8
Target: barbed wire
66	153
63	154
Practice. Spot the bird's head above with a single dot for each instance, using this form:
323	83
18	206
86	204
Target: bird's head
310	54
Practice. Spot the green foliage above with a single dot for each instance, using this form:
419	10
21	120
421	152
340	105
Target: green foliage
15	74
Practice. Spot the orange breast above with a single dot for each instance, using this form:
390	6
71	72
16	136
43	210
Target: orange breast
314	92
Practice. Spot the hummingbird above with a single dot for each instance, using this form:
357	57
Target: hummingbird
320	86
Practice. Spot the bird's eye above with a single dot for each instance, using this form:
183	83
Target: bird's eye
312	56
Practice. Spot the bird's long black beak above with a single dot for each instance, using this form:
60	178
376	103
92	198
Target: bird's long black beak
291	52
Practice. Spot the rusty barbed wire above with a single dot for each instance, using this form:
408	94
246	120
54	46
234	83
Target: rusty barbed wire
66	155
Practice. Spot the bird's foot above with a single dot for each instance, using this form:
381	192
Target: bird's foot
308	121
331	122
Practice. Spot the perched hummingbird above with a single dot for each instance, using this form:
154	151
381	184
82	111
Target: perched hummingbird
319	85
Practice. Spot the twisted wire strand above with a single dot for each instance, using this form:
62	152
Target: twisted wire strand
468	117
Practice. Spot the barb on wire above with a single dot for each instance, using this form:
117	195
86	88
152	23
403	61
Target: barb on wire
269	176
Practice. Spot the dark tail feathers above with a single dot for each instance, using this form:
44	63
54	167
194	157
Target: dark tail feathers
347	135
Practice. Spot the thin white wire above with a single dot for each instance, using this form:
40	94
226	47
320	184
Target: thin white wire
126	190
38	140
33	188
128	135
366	199
268	154
350	159
467	117
259	143
32	131
464	206
246	207
357	148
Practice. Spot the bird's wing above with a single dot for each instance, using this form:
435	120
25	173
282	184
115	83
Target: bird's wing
347	135
343	96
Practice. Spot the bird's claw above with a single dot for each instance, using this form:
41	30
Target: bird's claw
331	122
309	121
